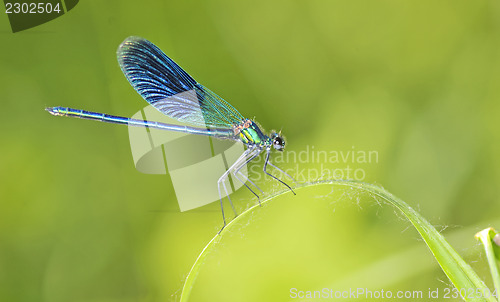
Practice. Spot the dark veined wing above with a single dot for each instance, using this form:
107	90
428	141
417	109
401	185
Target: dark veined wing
168	88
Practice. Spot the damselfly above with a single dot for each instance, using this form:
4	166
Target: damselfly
173	92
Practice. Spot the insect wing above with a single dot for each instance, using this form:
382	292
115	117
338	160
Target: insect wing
169	89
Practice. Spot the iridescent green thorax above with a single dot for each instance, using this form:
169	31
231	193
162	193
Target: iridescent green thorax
250	133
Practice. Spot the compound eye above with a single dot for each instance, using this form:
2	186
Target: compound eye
278	143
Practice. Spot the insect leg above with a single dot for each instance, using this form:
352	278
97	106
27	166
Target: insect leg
253	154
223	178
265	171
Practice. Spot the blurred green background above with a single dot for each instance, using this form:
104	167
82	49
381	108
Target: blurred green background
415	81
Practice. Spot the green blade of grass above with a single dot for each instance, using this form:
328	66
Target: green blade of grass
486	237
457	270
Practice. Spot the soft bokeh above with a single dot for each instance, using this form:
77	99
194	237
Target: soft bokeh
417	82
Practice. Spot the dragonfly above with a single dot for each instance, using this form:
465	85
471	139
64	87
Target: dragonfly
173	92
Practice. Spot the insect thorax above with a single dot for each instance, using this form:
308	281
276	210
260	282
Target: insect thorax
250	133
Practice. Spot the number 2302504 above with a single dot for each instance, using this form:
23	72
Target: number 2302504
32	8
